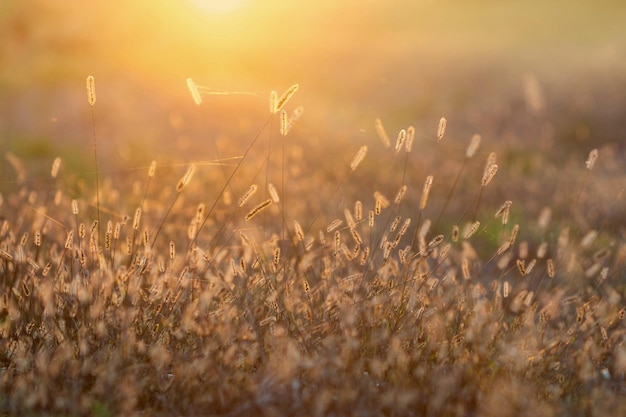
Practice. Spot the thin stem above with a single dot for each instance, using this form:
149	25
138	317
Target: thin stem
95	157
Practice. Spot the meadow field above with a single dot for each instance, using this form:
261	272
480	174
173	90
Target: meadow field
241	209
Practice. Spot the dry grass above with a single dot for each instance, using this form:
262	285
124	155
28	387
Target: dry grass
312	307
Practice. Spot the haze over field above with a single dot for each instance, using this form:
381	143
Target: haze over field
403	61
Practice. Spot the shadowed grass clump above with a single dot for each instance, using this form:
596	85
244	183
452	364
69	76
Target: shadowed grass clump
421	281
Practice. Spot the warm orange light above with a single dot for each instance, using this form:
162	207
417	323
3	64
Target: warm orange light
219	7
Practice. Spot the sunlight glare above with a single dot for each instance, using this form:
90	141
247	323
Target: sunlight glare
219	7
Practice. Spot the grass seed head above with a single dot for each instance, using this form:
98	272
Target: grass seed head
258	208
284	123
591	159
56	165
246	196
400	140
91	90
273	101
382	134
280	103
425	191
473	146
400	195
410	137
489	174
358	210
358	158
273	193
195	94
184	181
441	128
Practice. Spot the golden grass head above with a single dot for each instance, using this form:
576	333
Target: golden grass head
56	165
503	211
298	230
246	196
334	225
137	219
410	137
349	218
195	94
400	140
591	159
400	195
294	117
91	90
284	123
544	217
441	128
258	208
465	269
273	101
280	103
184	181
358	158
473	146
514	233
358	210
382	134
152	169
491	160
426	191
471	229
488	175
273	193
550	268
381	199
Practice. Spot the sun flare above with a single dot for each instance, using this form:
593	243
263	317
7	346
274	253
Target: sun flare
219	7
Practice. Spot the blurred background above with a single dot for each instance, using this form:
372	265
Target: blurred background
531	74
